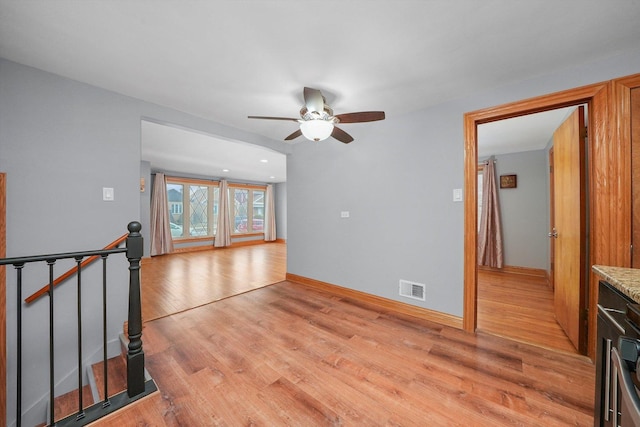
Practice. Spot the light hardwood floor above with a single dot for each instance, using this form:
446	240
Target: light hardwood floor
177	282
288	354
515	306
519	307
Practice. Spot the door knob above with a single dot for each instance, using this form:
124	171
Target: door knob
553	233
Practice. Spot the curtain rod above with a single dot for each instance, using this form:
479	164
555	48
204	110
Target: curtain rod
217	181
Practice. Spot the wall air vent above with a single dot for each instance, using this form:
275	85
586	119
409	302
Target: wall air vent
412	290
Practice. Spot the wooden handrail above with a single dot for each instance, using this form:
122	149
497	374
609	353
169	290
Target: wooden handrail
74	270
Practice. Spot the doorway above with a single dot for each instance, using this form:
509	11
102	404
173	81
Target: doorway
604	167
517	301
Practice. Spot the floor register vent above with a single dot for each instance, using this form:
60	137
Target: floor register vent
412	290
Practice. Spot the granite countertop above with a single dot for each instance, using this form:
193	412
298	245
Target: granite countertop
626	280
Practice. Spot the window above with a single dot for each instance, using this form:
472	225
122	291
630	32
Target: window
248	208
193	207
194	204
175	200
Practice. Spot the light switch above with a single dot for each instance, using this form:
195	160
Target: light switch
344	214
108	194
457	194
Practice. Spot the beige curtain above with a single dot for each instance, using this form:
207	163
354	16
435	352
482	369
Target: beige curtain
270	215
161	240
490	234
223	234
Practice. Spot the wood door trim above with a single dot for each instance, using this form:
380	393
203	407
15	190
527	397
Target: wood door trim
552	221
602	174
620	117
635	176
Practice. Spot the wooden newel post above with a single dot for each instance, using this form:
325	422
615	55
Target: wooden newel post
135	355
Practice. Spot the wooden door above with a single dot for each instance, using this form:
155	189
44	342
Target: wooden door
552	221
570	220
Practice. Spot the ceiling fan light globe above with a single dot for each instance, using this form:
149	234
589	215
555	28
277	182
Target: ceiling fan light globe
316	130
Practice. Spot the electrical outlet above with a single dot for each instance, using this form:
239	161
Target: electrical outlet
344	214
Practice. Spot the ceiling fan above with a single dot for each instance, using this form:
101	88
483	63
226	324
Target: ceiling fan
317	121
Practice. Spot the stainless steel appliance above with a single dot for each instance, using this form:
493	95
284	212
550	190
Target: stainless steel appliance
617	365
625	393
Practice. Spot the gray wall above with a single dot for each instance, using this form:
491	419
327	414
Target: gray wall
396	179
145	204
281	210
525	209
61	142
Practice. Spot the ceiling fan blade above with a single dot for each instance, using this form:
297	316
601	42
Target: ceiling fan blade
363	116
341	135
294	135
313	100
273	118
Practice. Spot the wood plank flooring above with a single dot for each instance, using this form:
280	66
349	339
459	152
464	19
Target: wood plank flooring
514	306
519	307
177	282
67	404
288	354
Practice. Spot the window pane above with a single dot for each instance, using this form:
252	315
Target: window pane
216	201
194	209
258	211
241	203
198	219
174	198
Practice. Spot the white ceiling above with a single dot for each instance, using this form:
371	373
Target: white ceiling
524	133
172	149
224	60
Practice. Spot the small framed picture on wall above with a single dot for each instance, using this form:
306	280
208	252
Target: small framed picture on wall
508	181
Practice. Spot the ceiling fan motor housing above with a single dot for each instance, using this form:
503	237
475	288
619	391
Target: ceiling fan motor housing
326	115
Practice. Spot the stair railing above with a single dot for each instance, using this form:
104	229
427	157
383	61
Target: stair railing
67	274
137	386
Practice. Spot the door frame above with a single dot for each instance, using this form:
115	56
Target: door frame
552	221
609	187
621	113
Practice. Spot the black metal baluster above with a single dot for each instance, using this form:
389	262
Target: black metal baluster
50	263
19	345
106	401
136	386
80	414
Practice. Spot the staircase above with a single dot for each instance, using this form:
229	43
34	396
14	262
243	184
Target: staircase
66	405
113	383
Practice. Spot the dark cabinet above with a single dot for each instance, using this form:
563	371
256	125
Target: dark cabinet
612	324
607	335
